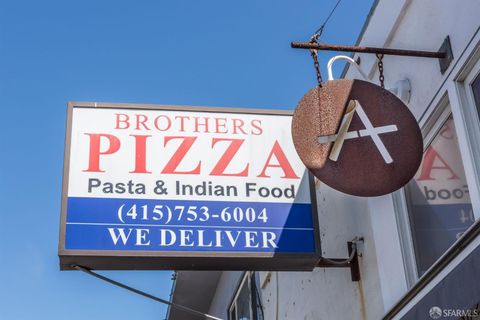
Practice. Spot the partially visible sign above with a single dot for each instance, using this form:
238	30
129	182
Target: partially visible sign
154	187
357	137
439	199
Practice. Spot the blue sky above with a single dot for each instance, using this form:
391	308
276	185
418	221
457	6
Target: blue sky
183	52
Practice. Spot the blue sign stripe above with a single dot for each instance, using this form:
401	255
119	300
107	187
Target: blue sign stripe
188	212
104	237
186	225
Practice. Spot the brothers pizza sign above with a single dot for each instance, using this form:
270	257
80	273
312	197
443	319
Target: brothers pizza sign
157	187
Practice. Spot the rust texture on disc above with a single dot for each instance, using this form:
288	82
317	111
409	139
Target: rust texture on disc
360	169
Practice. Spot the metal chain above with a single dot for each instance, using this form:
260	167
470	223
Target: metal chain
381	77
314	54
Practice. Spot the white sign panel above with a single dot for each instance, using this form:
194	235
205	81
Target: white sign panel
146	179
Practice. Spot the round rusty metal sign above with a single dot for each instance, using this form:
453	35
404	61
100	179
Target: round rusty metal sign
357	138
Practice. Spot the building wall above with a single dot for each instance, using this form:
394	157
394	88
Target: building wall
226	288
419	25
330	293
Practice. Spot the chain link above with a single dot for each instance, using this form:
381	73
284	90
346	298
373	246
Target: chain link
381	77
314	54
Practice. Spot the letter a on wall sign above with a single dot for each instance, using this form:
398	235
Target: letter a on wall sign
357	137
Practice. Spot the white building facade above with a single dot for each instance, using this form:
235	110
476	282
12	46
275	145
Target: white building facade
420	254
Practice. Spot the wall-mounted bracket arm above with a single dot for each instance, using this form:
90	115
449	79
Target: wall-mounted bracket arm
351	262
444	54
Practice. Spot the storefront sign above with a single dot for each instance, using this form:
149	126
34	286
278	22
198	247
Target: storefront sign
155	187
357	137
439	199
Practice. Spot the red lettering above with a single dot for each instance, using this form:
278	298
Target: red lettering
257	124
238	124
140	154
198	124
282	163
227	157
95	153
141	119
119	121
428	165
182	122
168	125
222	125
178	156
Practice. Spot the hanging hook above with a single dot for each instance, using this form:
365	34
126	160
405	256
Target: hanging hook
314	38
349	60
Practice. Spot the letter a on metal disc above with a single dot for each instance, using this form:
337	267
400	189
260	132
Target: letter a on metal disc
357	138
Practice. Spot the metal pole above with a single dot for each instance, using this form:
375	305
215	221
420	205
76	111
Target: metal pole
386	51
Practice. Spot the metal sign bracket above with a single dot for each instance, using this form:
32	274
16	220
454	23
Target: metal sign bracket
444	54
351	262
447	48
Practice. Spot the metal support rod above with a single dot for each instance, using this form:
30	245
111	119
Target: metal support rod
386	51
327	263
341	263
146	295
351	262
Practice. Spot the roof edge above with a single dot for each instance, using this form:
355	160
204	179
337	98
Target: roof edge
360	36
